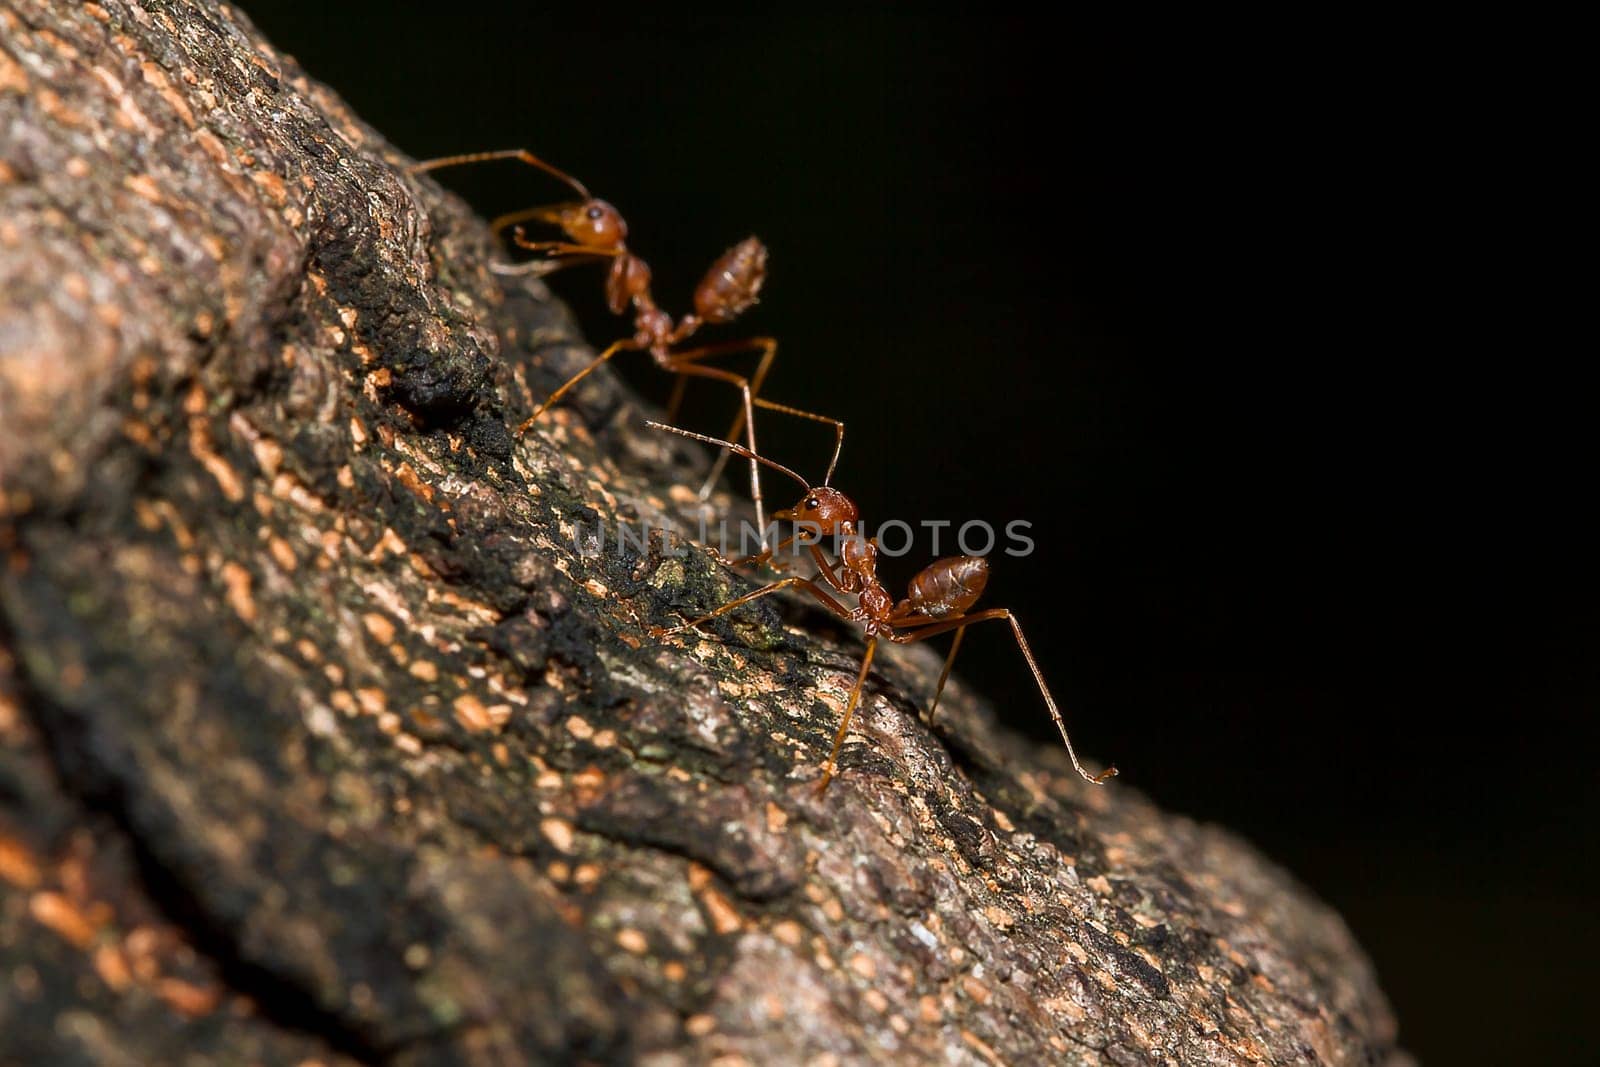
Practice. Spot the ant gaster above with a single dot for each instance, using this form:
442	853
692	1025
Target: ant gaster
596	230
938	600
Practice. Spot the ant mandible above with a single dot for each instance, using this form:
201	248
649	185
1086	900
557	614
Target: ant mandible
938	600
597	230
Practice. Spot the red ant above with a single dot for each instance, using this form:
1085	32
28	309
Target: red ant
938	599
596	230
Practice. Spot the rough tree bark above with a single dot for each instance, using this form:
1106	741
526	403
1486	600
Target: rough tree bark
327	737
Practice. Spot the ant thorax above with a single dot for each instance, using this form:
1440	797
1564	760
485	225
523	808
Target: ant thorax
653	328
855	551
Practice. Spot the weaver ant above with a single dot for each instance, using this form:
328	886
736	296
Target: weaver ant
596	230
937	600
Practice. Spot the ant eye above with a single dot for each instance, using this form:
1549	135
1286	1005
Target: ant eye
813	503
595	213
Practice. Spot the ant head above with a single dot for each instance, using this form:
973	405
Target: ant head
592	223
825	509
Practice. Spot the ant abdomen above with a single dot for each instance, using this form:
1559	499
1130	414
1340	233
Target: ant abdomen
947	587
732	284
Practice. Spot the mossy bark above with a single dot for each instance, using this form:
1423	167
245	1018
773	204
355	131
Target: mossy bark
328	732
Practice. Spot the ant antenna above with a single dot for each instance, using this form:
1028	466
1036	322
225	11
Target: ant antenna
508	153
738	450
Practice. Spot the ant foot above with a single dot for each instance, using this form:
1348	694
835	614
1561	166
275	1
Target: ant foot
527	424
664	631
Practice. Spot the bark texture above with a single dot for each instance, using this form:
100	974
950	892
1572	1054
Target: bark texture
327	732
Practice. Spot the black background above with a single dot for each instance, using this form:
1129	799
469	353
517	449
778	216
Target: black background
1244	318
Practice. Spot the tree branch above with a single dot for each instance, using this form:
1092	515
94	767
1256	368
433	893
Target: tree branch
316	703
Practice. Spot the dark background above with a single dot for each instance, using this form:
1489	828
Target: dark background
1244	318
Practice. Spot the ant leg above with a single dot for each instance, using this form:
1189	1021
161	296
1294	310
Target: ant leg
838	609
767	590
770	551
675	363
680	382
759	558
944	675
611	350
769	349
824	567
960	623
949	659
849	711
